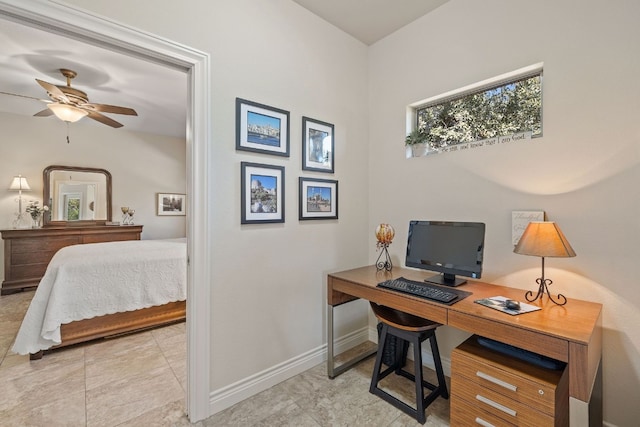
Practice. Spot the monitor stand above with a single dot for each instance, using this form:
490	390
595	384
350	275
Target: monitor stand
445	280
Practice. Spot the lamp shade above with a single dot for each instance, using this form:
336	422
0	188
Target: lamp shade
19	183
544	239
66	112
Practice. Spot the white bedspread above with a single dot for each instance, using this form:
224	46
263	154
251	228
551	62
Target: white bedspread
85	281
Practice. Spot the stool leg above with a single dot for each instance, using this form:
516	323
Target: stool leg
417	358
377	367
442	383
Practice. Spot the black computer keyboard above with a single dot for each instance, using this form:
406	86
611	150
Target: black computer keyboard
419	289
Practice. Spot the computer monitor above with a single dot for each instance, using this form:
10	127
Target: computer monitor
450	248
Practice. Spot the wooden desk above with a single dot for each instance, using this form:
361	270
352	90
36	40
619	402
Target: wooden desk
571	333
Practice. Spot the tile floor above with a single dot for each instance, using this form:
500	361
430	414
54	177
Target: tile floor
140	380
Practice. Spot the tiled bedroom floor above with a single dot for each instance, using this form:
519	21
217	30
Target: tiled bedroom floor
140	380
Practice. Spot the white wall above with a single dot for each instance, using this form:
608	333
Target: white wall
269	280
583	172
268	290
141	165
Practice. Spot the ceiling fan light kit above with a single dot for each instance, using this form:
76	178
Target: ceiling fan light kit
66	112
70	104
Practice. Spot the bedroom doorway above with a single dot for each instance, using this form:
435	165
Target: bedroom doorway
74	23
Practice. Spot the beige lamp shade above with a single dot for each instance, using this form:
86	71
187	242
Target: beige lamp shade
66	112
544	239
19	183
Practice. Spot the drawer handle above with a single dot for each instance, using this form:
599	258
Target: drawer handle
496	405
483	423
496	381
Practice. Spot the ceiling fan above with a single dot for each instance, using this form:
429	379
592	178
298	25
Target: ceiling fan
70	104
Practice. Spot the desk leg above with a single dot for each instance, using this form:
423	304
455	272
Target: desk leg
588	413
333	370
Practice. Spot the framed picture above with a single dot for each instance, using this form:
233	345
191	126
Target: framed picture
520	220
261	129
170	204
317	145
262	188
318	198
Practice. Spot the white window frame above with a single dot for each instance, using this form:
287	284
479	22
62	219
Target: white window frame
490	83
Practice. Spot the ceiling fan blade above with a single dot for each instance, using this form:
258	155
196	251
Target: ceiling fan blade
104	108
44	113
53	90
103	119
25	96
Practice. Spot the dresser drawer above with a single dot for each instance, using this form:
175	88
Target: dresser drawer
498	405
111	237
26	258
28	271
508	388
465	414
42	244
521	383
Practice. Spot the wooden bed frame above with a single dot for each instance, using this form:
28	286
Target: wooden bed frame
118	323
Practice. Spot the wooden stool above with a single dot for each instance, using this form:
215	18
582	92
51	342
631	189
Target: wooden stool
413	330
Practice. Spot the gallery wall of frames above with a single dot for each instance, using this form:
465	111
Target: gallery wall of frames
266	130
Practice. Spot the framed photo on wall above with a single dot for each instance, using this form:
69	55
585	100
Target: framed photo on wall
318	198
261	129
171	204
317	145
262	193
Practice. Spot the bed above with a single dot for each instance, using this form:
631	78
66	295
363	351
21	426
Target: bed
99	290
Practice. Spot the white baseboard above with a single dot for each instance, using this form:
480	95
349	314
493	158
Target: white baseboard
228	396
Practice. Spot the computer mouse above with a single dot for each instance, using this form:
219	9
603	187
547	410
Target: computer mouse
512	304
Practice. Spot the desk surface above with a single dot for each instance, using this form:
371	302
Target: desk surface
570	333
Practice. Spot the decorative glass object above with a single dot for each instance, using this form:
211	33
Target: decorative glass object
130	213
125	214
384	235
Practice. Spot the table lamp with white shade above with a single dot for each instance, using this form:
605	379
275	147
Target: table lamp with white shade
19	183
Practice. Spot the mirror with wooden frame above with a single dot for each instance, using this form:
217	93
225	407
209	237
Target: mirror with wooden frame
76	196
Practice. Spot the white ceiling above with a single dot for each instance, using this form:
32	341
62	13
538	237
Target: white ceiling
370	20
158	93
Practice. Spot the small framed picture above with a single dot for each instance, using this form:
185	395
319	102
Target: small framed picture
170	204
520	220
262	188
318	198
261	129
317	145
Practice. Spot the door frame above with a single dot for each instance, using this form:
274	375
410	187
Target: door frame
79	24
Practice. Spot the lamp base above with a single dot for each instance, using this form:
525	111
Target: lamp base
543	287
21	221
385	262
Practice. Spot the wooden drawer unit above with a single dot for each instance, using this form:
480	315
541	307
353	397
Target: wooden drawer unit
492	389
27	252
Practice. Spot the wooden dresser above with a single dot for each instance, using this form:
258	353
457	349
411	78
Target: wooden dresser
491	389
27	252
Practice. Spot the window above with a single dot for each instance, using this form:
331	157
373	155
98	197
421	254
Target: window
72	204
502	106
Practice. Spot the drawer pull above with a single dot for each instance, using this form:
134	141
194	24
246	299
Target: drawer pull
496	405
496	381
483	423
